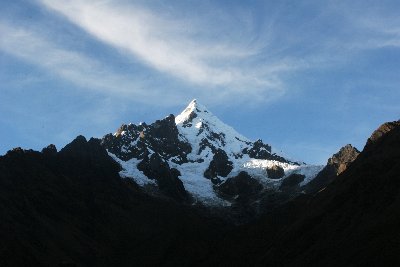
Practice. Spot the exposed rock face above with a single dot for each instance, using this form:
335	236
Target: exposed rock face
152	144
275	172
343	158
167	178
219	166
337	164
134	141
259	150
242	187
381	131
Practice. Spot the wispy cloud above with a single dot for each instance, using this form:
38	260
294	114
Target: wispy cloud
383	32
171	45
38	49
217	55
372	25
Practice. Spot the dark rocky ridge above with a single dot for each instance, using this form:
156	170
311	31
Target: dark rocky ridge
167	178
275	172
259	150
381	131
337	164
353	222
219	166
71	208
241	188
134	141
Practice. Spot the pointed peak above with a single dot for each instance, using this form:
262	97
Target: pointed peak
193	102
194	105
191	111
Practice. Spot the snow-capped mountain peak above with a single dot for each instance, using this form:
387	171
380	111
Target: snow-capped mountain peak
196	152
202	128
193	108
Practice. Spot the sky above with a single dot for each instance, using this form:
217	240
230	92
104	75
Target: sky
307	77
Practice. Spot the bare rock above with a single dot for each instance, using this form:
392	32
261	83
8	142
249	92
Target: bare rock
275	172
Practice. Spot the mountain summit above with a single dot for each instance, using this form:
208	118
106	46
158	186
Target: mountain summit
200	127
191	155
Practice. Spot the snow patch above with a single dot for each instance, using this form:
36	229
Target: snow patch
130	170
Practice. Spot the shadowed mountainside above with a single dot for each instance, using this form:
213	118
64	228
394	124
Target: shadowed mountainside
337	164
72	207
353	222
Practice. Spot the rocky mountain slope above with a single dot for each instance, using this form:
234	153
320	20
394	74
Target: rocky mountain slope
353	222
72	208
197	153
337	164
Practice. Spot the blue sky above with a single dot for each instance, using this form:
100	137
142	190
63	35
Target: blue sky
305	76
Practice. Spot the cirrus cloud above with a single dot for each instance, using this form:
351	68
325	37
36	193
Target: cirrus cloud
170	44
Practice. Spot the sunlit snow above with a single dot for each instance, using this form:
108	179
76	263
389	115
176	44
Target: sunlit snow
196	123
130	170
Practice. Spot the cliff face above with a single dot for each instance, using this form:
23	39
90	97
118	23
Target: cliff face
381	131
341	160
337	164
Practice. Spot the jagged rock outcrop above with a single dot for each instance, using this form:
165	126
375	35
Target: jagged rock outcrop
137	141
154	167
381	131
80	153
259	150
220	165
16	151
343	158
337	164
240	187
275	172
50	150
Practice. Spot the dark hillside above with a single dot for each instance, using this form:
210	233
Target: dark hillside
72	207
355	221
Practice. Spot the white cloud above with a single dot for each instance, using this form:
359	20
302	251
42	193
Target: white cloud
383	33
171	45
73	66
219	55
372	25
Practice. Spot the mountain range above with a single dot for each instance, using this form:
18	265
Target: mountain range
189	190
